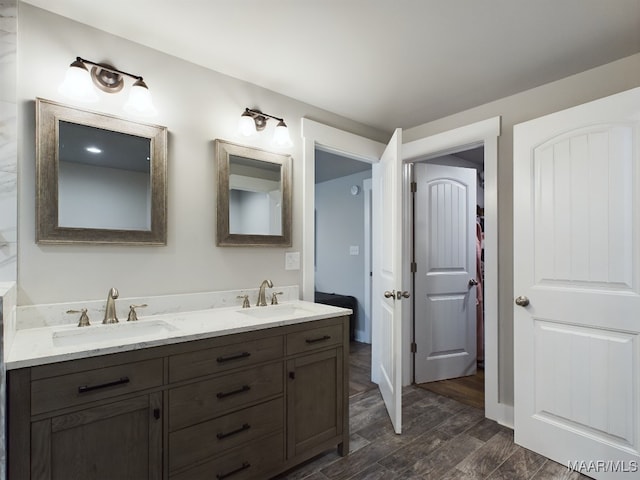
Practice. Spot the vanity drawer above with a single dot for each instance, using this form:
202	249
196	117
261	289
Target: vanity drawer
219	359
314	339
186	446
257	460
64	391
207	399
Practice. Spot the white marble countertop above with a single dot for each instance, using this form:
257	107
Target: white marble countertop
39	346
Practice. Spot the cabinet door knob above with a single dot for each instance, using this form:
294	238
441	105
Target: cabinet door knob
292	375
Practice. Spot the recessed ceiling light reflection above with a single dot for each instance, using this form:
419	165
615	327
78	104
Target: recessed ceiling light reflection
93	150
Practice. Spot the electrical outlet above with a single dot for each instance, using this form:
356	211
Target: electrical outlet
292	261
354	250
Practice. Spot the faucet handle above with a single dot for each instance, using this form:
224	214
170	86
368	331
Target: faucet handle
84	318
245	301
133	315
274	297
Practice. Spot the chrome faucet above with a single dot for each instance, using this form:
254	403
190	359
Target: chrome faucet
262	300
110	310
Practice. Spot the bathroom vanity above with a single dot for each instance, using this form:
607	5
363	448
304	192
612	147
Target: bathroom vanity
247	401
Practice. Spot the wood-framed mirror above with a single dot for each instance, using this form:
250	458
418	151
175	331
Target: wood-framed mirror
99	178
254	197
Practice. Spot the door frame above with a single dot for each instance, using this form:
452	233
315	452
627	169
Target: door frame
330	139
483	133
368	267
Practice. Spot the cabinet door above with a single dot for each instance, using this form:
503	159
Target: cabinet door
120	440
314	400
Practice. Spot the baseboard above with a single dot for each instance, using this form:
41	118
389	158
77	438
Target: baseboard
360	336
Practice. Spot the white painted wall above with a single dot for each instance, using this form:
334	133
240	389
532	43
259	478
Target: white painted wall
599	82
339	226
197	105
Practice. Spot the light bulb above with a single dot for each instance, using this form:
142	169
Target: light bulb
281	135
246	125
139	102
77	83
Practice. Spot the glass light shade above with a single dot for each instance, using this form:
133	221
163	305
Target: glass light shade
77	84
281	135
246	125
139	102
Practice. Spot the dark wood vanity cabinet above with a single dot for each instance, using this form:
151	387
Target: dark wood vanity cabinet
315	388
122	439
241	406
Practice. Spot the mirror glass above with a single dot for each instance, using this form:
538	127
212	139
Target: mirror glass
103	179
100	179
254	198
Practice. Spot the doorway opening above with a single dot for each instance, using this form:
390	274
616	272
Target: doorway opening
485	132
448	275
342	257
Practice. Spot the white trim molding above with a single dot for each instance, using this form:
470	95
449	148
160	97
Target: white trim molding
486	133
316	135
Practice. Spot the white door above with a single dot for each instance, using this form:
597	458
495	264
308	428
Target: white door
577	283
387	293
445	279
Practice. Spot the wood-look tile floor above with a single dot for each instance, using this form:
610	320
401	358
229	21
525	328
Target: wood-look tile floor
441	439
468	390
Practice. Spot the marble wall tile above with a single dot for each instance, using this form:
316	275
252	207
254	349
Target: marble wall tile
8	197
8	49
8	141
8	207
8	260
8	136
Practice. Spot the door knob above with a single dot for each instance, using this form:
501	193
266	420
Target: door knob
473	282
522	301
400	295
389	294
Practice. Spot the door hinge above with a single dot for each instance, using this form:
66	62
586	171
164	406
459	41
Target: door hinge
414	267
414	187
414	347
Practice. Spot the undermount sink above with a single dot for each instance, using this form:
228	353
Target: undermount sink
151	329
276	311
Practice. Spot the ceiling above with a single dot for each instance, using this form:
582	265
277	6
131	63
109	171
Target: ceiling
384	63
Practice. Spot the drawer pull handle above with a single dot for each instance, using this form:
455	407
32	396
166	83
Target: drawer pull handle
87	388
244	388
221	476
233	357
319	339
244	427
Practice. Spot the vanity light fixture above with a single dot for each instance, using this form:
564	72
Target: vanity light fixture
253	121
77	85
